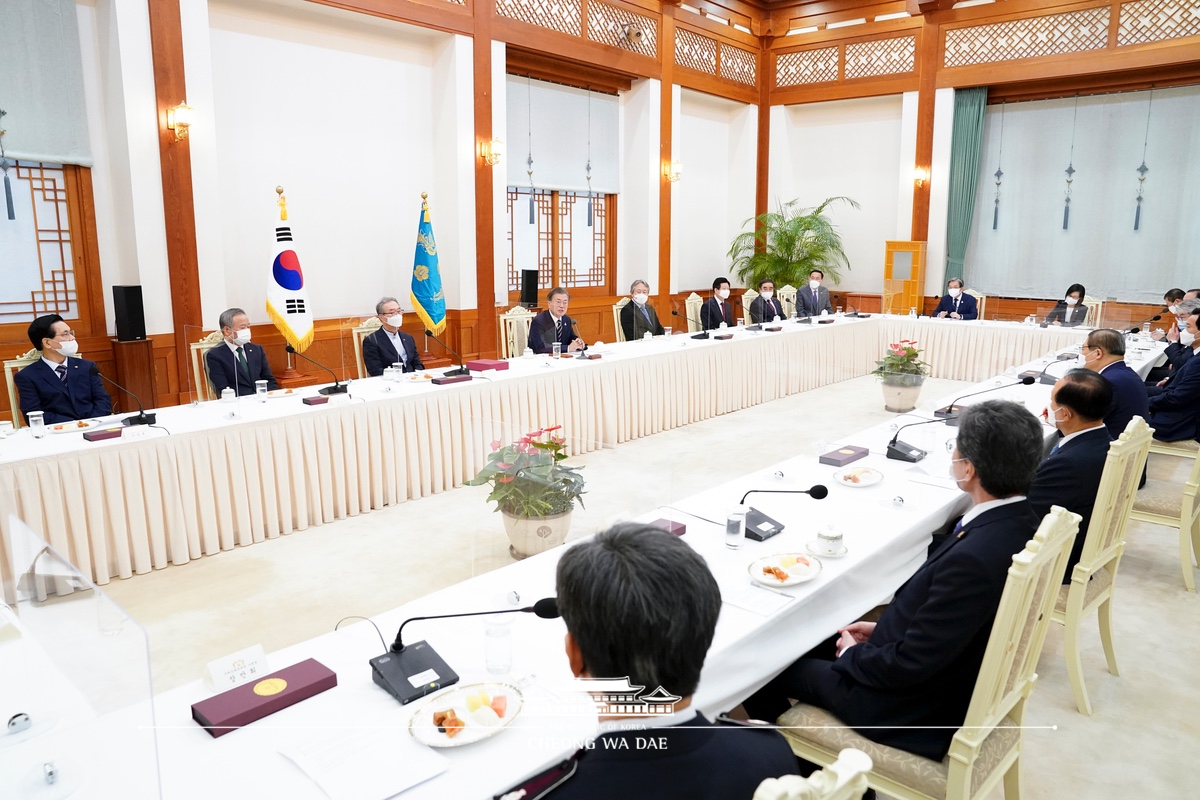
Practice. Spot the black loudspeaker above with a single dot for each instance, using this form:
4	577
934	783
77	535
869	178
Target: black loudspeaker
131	317
529	281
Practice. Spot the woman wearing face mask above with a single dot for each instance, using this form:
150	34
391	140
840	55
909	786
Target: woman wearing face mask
718	309
62	388
1070	311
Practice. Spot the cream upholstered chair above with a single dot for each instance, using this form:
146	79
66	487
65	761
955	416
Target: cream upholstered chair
787	297
1095	307
747	299
200	367
1164	503
514	331
980	301
365	329
11	368
1189	448
987	748
619	336
691	307
1093	578
844	779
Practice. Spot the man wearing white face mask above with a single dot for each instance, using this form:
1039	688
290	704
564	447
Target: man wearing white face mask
638	317
956	304
717	310
814	297
765	308
1178	352
1175	408
389	345
237	364
63	388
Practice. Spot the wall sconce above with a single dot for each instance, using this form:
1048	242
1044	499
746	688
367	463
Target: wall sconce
920	175
179	119
491	152
673	171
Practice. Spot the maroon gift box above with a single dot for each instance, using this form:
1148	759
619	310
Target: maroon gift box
98	436
670	526
844	455
252	701
722	336
481	364
315	401
442	381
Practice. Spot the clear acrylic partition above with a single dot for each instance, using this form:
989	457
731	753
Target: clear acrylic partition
11	349
194	388
75	687
344	362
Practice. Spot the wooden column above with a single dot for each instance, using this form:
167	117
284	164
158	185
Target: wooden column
766	77
166	44
485	264
928	61
665	144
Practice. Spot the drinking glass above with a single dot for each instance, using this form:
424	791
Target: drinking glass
556	349
497	645
667	331
735	529
37	424
260	390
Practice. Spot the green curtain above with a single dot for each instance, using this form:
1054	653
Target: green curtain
965	146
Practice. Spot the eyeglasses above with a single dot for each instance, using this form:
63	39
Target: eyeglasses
61	334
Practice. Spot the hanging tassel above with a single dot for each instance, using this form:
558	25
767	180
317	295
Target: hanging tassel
8	198
1137	215
1066	214
996	215
532	213
589	211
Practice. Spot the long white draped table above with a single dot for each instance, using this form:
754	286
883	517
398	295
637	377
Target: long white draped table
126	506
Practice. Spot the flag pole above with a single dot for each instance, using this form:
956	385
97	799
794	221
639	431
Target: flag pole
291	373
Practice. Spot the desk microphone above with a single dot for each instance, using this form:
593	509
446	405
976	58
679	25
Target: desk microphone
1044	376
949	414
337	388
140	418
409	672
1138	328
759	526
703	333
902	451
461	369
582	350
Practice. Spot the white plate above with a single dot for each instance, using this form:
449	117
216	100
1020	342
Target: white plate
418	377
798	572
424	731
858	477
73	427
809	547
274	393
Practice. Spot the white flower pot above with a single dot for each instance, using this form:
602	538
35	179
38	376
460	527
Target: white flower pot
531	535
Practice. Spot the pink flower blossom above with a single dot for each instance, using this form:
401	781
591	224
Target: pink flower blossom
502	465
504	478
897	350
495	445
558	439
535	434
553	428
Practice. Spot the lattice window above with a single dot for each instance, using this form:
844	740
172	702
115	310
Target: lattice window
738	64
1155	20
1032	37
562	257
563	16
37	262
806	66
695	51
617	27
881	57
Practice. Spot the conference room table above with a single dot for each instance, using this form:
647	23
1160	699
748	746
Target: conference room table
886	527
207	479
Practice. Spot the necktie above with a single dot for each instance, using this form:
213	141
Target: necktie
721	305
814	299
646	313
558	326
61	369
242	362
956	305
958	526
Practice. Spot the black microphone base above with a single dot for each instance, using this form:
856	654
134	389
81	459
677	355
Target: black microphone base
948	413
453	373
140	419
703	335
759	526
396	672
337	388
900	451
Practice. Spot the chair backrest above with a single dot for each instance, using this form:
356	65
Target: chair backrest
1095	307
11	368
691	307
747	299
1006	675
364	329
1105	536
787	296
514	331
980	301
620	334
200	366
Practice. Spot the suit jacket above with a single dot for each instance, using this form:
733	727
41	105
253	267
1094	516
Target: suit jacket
1059	314
804	300
1175	410
1129	398
968	306
634	324
698	760
541	333
766	310
1070	477
379	352
223	369
81	397
710	314
920	665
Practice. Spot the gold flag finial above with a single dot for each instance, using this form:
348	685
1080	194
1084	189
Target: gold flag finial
425	207
282	203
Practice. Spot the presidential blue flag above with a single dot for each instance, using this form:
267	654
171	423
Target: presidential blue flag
427	298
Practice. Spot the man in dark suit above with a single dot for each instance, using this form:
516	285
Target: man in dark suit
637	316
717	310
955	303
907	680
1104	352
62	388
389	345
766	307
814	298
553	325
1070	475
655	632
236	363
1177	353
1175	408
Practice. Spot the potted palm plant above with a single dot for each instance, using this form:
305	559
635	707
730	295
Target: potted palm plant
786	245
902	373
533	490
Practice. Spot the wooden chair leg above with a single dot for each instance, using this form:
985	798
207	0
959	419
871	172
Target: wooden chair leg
1185	559
1104	616
1075	665
1012	781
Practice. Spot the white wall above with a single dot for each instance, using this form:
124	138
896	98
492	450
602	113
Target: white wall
716	141
939	191
850	148
641	166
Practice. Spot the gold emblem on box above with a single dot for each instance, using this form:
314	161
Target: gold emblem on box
269	686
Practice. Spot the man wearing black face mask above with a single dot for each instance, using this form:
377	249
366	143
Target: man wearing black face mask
63	388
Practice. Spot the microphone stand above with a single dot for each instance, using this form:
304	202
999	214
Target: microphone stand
575	329
337	388
949	414
461	369
140	418
703	333
759	526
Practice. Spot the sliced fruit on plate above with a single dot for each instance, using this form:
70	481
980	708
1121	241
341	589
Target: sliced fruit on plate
500	705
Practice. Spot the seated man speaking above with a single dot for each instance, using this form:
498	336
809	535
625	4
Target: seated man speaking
640	603
907	680
63	389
